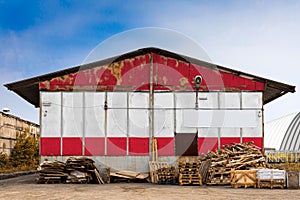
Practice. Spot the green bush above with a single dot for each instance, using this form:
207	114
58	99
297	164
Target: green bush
25	153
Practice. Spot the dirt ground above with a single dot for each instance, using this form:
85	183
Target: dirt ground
24	187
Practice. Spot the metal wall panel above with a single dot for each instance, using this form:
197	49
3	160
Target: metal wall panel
51	114
72	114
117	114
230	132
220	118
184	101
138	114
206	99
229	100
163	115
207	132
252	100
94	114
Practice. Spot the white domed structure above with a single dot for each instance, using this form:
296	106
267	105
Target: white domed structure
283	133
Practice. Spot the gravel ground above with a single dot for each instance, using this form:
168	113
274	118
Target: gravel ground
24	187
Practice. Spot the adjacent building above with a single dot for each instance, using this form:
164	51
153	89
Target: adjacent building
10	126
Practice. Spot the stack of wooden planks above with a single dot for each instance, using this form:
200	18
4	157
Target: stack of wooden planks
52	172
128	176
189	173
75	170
240	156
166	175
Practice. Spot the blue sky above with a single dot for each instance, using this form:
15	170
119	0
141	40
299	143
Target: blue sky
255	36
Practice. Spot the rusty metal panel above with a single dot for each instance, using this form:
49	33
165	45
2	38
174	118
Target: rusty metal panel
163	115
138	114
94	114
51	114
117	114
72	114
252	100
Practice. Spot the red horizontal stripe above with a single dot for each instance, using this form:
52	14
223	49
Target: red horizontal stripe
50	146
165	146
138	146
116	146
94	146
72	146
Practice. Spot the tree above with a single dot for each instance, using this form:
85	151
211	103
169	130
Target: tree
25	152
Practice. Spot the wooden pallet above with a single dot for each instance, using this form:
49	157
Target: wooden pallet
243	178
272	183
190	179
154	166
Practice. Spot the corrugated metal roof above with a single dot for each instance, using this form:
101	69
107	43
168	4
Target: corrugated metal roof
29	88
283	133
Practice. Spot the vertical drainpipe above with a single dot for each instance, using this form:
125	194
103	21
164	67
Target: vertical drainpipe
127	126
40	119
241	129
61	122
83	123
263	125
151	113
105	124
219	129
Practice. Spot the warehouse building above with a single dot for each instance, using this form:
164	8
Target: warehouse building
113	109
10	127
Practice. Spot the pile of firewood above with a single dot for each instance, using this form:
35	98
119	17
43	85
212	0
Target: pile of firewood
241	156
75	170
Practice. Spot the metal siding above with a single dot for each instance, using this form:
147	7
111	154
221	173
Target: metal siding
50	146
207	99
116	146
165	146
138	146
220	118
117	114
72	146
72	114
230	100
184	101
94	146
252	100
163	115
138	115
94	114
51	114
206	144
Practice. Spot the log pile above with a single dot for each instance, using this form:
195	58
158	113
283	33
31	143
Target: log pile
189	173
166	175
75	170
241	156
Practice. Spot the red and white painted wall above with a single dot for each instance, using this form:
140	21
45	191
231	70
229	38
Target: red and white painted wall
112	112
